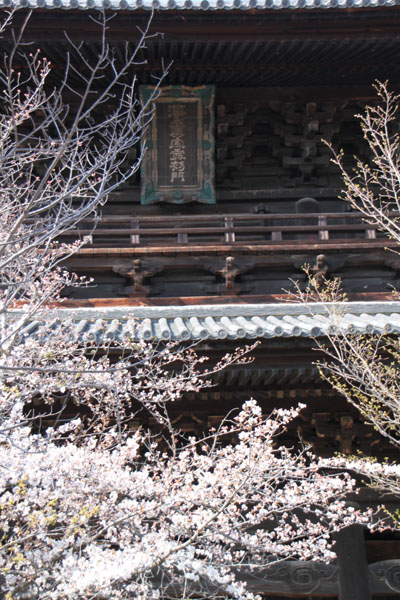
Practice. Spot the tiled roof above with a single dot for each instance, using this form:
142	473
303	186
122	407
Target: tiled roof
218	322
196	4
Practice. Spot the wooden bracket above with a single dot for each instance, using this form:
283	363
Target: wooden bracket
137	273
320	270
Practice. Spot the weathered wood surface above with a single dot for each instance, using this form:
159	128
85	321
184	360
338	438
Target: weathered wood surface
353	574
223	249
256	26
204	300
317	580
345	580
335	229
300	579
131	195
295	578
378	550
385	578
348	216
247	271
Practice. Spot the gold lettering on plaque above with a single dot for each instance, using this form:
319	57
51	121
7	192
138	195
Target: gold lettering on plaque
177	149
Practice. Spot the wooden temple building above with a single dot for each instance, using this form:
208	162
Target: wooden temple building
236	193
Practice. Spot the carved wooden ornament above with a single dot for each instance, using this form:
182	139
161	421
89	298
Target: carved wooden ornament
178	163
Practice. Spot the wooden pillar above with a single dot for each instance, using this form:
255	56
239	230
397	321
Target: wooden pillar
354	581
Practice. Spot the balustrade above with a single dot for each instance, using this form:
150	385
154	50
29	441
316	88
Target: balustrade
272	230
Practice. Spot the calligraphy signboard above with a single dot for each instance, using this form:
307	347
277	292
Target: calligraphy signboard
178	161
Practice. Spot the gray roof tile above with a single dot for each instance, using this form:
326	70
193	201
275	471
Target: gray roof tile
194	4
215	322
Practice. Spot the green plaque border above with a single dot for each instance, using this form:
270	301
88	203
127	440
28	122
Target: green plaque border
150	192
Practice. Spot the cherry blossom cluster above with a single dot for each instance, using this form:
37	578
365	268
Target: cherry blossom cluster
125	517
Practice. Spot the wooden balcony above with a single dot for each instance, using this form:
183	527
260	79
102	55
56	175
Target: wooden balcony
222	233
235	255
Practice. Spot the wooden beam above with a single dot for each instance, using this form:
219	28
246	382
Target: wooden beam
384	577
256	68
249	26
310	246
296	94
298	579
131	195
205	300
378	550
294	579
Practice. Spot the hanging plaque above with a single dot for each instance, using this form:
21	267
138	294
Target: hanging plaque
178	150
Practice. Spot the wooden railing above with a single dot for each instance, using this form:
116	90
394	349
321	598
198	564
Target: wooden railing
230	229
